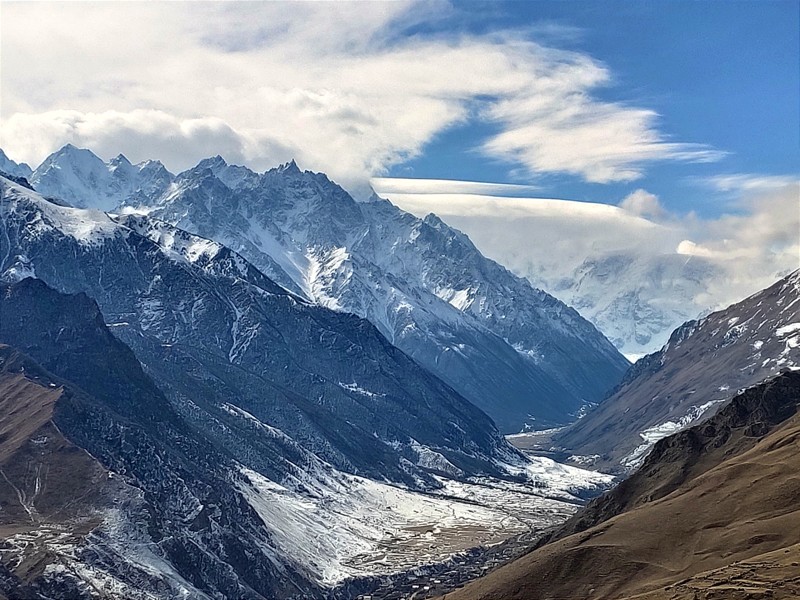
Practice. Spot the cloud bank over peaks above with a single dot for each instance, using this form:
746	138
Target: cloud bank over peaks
557	242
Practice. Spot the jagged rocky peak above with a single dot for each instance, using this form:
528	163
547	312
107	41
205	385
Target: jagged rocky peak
289	168
232	176
120	160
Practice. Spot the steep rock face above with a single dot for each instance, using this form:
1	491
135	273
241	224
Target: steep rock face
167	522
712	513
704	364
516	352
215	333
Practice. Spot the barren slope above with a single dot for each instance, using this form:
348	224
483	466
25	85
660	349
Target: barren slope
728	530
50	489
702	366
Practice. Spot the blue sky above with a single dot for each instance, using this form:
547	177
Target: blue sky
723	74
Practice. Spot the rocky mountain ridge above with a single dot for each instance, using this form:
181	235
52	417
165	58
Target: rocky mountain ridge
513	350
702	366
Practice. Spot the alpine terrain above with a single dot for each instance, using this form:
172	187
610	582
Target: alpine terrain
516	352
712	513
703	365
255	445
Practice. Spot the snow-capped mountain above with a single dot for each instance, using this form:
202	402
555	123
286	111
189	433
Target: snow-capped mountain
215	333
513	350
81	178
703	365
257	450
12	168
620	269
635	300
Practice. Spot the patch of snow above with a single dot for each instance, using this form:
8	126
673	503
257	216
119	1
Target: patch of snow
89	227
354	387
584	460
560	480
346	531
787	329
658	432
430	459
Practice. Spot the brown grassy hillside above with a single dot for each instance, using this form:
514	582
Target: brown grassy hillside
715	513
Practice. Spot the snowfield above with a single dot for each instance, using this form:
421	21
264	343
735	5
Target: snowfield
348	526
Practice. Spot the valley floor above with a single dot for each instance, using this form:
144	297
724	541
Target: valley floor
354	527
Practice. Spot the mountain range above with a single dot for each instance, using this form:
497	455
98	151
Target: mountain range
516	352
229	384
215	332
204	393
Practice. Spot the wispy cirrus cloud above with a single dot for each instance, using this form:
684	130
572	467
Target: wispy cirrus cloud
748	182
342	87
401	185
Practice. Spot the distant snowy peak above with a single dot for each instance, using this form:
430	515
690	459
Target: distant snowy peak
636	301
81	178
13	168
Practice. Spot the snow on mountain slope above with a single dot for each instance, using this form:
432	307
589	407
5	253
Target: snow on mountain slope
182	516
81	178
12	168
635	300
616	268
456	314
702	366
215	332
351	526
513	350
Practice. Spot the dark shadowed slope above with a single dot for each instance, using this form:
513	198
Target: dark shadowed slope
714	512
170	522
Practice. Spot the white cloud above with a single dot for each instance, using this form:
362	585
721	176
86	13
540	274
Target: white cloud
643	203
754	247
543	238
389	185
747	182
567	131
335	85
